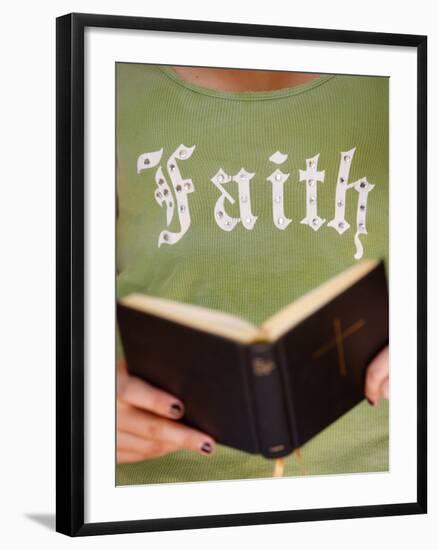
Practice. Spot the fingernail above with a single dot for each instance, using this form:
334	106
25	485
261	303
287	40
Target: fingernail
176	409
207	448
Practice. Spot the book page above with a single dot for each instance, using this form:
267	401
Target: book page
198	317
288	317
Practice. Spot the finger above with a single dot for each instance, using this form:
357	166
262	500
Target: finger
127	442
122	367
140	394
148	426
384	389
124	457
376	373
122	374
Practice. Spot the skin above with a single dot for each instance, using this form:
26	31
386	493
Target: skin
237	80
147	424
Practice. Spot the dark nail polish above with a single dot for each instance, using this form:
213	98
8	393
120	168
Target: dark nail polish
175	409
206	448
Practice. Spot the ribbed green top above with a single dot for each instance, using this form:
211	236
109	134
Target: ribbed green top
251	272
244	96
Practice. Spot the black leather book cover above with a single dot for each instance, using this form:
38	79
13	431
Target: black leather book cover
325	356
272	397
207	372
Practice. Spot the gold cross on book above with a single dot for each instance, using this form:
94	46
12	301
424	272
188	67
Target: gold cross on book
338	342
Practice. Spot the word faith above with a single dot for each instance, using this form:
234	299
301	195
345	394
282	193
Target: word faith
174	195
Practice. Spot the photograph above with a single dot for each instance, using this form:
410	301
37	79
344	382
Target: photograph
241	288
219	234
252	260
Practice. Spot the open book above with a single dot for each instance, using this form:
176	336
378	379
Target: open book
262	389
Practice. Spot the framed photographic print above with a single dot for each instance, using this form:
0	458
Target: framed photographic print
241	274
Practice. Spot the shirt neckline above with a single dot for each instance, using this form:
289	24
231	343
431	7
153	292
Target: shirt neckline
247	95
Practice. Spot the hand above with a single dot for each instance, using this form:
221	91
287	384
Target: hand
377	377
146	421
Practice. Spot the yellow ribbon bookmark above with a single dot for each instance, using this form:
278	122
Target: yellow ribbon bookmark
278	467
280	463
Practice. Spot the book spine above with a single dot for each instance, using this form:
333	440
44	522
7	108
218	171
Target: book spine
270	406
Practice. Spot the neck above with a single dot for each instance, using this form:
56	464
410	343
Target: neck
242	80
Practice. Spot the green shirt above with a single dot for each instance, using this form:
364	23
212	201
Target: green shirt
242	202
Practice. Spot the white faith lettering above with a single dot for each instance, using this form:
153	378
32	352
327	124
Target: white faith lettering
246	216
311	176
277	178
224	221
174	195
363	187
163	195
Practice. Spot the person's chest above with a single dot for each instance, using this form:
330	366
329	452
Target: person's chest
248	195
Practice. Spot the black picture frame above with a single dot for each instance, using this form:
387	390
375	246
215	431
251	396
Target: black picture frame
70	272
